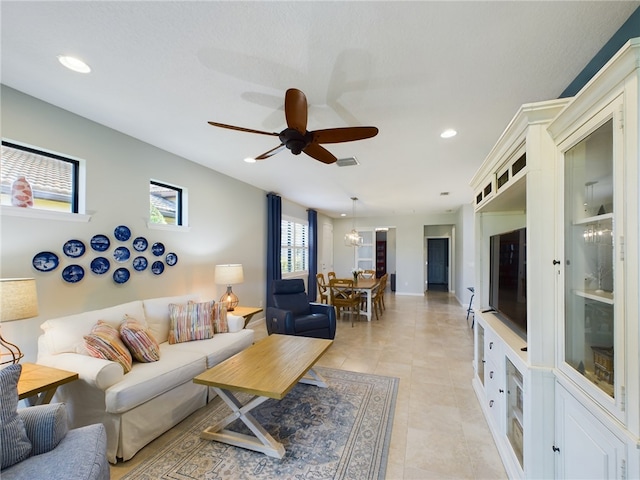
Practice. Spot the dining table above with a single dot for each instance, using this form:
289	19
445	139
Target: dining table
368	287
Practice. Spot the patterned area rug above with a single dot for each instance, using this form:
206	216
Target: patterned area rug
339	432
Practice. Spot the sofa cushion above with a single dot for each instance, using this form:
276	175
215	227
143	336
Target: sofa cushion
148	380
314	321
65	334
218	348
190	321
104	342
46	426
15	444
139	341
156	314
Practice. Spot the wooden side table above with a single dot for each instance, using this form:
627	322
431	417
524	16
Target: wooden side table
38	383
246	312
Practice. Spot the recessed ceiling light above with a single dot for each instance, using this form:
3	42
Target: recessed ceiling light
449	133
250	160
73	63
444	194
343	214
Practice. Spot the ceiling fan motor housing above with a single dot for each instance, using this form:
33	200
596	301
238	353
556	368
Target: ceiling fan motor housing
294	140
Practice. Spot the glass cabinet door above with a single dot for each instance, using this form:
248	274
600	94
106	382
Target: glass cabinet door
589	247
515	409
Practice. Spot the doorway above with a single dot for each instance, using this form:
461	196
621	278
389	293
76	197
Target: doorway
438	264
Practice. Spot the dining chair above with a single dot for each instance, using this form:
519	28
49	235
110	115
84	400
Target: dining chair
331	276
343	296
323	288
377	302
367	274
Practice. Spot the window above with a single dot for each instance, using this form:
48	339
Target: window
165	204
294	254
54	179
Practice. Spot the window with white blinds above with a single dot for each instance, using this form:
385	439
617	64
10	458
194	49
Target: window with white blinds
294	255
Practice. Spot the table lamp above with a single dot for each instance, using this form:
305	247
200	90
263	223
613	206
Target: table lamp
18	300
228	275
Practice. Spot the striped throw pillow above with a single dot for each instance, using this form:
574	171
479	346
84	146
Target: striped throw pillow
138	339
14	443
191	321
104	342
220	324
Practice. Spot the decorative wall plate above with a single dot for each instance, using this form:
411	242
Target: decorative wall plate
157	268
100	265
140	264
122	233
121	275
121	254
73	273
157	249
140	244
171	259
100	243
74	248
45	261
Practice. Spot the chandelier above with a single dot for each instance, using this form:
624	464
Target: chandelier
353	239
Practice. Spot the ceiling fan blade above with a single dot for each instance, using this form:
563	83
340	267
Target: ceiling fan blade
346	134
270	153
295	110
319	153
242	129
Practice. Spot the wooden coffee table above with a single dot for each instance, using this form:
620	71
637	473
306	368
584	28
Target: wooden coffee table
268	369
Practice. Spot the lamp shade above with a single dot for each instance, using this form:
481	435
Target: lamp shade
18	299
229	274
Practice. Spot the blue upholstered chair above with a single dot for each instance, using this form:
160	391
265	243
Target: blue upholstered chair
293	314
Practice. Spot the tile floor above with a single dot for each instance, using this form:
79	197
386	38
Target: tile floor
439	431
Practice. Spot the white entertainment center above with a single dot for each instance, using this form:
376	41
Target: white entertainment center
563	399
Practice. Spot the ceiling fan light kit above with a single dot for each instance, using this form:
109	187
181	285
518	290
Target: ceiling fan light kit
298	139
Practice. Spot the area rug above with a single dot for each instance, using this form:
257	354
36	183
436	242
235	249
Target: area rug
339	432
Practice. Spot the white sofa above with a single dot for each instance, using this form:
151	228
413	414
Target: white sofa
153	397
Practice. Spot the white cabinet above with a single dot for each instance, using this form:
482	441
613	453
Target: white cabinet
584	447
598	365
569	172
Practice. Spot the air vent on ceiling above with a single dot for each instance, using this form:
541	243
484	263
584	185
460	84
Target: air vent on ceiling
347	162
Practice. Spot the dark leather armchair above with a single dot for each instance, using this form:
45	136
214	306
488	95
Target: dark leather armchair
293	314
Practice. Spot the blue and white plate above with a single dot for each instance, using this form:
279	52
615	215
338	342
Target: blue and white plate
45	261
122	233
100	265
100	243
171	259
121	275
121	254
157	249
140	244
140	264
73	273
74	248
157	267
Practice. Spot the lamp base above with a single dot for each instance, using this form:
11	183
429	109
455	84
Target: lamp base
229	299
8	349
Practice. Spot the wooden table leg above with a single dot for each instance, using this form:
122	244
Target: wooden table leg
261	442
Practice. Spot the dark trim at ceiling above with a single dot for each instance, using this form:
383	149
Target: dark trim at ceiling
630	29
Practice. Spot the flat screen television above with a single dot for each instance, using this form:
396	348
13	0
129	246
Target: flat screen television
508	279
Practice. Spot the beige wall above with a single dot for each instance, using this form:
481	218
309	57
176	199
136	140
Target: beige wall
227	219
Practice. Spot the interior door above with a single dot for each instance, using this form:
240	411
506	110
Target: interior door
438	262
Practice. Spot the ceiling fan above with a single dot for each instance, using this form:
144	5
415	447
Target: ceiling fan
296	137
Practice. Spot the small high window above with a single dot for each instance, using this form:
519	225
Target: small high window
165	203
52	178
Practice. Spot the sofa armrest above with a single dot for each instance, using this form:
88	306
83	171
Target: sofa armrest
97	372
46	426
235	323
329	311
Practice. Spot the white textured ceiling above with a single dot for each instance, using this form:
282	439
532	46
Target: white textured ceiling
161	70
